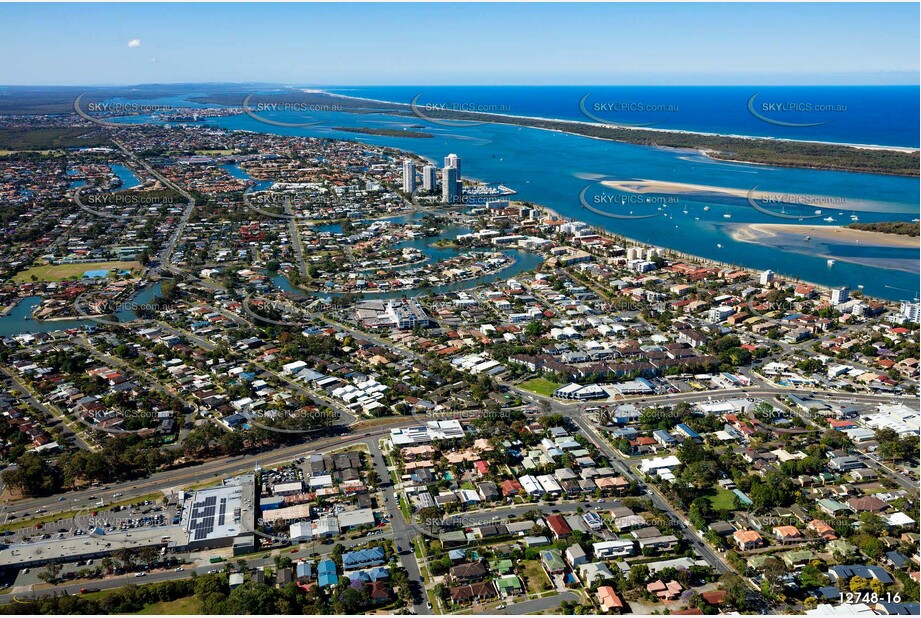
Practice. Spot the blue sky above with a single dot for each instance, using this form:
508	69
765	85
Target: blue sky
360	44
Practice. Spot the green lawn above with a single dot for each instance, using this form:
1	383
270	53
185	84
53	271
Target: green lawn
186	605
722	500
541	386
59	272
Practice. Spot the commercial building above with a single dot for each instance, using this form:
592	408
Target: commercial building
222	516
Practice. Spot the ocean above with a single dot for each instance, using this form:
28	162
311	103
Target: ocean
870	115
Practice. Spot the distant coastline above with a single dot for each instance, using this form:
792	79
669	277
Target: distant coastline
801	154
904	149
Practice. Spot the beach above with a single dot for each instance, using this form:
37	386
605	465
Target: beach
758	232
837	244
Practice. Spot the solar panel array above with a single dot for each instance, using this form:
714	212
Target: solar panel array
201	520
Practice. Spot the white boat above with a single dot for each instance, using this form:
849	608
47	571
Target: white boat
809	238
818	212
719	246
831	262
706	208
855	218
829	219
727	216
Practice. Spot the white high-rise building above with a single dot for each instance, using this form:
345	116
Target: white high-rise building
429	178
449	185
839	295
910	311
767	276
452	160
409	176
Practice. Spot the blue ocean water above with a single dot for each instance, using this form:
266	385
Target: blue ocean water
871	115
554	169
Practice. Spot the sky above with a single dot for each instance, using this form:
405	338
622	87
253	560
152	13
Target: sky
511	44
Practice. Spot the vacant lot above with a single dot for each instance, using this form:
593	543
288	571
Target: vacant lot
185	605
537	579
59	272
541	386
722	499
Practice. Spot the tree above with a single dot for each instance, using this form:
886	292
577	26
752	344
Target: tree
33	476
858	584
639	574
735	589
774	572
51	572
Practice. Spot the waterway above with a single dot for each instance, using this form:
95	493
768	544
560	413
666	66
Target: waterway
554	169
19	320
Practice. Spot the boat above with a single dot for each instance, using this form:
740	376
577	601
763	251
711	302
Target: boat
855	218
727	216
818	212
719	246
829	219
831	262
808	238
706	208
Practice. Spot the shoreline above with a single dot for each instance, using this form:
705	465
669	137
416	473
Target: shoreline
881	147
816	241
827	233
710	261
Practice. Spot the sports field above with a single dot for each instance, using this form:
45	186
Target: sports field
60	272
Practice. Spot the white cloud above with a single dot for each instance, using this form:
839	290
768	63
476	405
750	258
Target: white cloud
134	43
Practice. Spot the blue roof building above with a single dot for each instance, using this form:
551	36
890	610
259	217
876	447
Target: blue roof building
687	431
363	558
370	575
304	569
326	574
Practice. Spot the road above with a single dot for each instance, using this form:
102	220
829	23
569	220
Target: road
519	608
50	413
211	470
693	538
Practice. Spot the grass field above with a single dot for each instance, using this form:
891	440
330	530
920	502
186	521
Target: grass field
537	578
60	272
225	151
722	500
541	386
186	605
